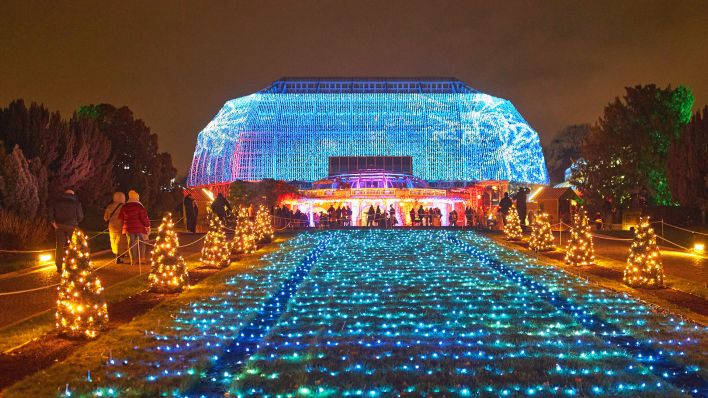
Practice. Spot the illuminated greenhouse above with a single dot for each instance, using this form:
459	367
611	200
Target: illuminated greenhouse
289	130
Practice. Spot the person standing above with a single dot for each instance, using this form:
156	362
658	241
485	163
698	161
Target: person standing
65	215
370	216
521	203
505	204
392	215
412	214
220	206
115	226
190	212
421	215
136	225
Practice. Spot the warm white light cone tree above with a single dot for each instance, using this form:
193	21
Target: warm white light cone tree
580	250
216	250
263	225
512	225
168	270
81	309
644	266
541	235
244	241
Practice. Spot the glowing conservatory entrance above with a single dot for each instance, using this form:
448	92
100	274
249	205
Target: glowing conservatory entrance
358	190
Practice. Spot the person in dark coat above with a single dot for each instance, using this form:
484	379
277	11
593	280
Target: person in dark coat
379	220
505	204
520	198
392	215
65	214
220	206
421	215
412	214
370	216
190	212
453	218
136	225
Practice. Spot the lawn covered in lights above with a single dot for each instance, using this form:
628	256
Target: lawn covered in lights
389	313
412	312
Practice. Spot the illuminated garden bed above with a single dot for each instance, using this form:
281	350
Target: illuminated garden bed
388	313
411	312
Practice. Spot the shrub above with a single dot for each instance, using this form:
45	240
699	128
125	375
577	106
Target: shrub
18	232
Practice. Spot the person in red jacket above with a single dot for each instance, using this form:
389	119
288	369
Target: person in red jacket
136	225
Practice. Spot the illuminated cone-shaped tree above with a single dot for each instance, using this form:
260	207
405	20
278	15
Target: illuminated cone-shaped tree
644	267
580	249
81	309
512	225
215	252
168	271
264	225
541	236
244	237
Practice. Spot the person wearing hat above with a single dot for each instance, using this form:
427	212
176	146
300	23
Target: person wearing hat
136	225
115	225
65	214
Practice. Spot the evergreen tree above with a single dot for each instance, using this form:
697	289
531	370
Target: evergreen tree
215	252
626	153
81	309
687	165
264	225
168	272
580	249
512	225
18	186
244	237
644	267
541	236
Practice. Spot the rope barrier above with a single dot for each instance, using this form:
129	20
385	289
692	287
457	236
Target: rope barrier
28	290
190	244
46	250
26	251
101	266
684	229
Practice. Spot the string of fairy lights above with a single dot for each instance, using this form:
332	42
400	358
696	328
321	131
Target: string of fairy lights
644	265
580	251
81	309
512	225
541	238
410	312
168	270
215	251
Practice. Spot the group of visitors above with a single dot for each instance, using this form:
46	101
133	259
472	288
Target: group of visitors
127	220
130	220
284	217
339	217
378	218
428	217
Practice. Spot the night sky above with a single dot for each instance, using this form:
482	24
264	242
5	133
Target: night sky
175	63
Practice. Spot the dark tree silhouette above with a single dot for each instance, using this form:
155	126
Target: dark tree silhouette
564	150
688	163
137	164
625	154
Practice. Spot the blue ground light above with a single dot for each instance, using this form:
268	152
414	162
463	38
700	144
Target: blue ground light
689	381
218	378
407	312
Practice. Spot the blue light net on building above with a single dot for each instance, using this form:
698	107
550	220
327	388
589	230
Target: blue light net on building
289	130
